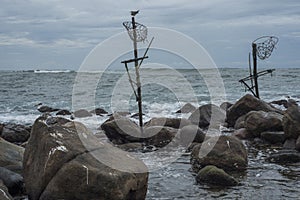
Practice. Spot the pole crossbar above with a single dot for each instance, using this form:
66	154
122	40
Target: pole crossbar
134	60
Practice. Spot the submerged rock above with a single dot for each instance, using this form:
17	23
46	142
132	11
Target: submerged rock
215	176
82	113
285	157
66	161
225	152
246	104
291	122
208	115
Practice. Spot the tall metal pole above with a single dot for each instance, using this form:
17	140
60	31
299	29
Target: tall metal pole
138	81
254	51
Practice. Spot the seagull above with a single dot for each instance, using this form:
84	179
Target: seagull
133	13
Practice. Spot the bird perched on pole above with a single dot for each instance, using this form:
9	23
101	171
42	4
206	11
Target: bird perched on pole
135	12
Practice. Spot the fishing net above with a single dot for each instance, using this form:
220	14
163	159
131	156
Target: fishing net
140	29
265	45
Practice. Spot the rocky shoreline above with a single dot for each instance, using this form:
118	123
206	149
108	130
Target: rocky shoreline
58	158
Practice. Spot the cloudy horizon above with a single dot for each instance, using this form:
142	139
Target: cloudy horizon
59	34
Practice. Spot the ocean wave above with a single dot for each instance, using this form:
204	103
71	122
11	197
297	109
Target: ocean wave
52	71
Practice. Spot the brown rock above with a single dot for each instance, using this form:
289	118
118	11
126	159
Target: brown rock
208	115
68	162
257	122
225	152
246	104
291	122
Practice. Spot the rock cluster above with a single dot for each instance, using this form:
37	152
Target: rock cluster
62	159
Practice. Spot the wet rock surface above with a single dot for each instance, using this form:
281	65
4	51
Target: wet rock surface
95	170
246	104
215	176
225	152
291	122
11	156
15	133
168	122
208	115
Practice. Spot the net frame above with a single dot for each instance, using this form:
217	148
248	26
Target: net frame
140	29
265	46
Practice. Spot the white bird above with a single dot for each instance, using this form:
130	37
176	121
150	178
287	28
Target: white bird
133	13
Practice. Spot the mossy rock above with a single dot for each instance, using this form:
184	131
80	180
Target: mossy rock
214	176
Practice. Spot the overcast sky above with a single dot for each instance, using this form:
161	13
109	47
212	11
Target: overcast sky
58	34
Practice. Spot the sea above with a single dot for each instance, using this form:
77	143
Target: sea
164	91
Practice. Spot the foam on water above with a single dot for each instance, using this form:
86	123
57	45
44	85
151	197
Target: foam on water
21	91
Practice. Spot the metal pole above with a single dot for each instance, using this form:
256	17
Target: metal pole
138	81
255	69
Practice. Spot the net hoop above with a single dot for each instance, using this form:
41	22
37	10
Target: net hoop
265	46
141	31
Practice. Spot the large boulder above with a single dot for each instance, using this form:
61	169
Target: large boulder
121	131
82	113
257	122
11	156
169	122
208	115
4	194
13	181
15	133
215	176
225	152
291	122
66	161
246	104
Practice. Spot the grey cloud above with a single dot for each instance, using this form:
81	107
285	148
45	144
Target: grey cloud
224	27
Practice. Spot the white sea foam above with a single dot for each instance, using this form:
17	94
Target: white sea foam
18	118
51	71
